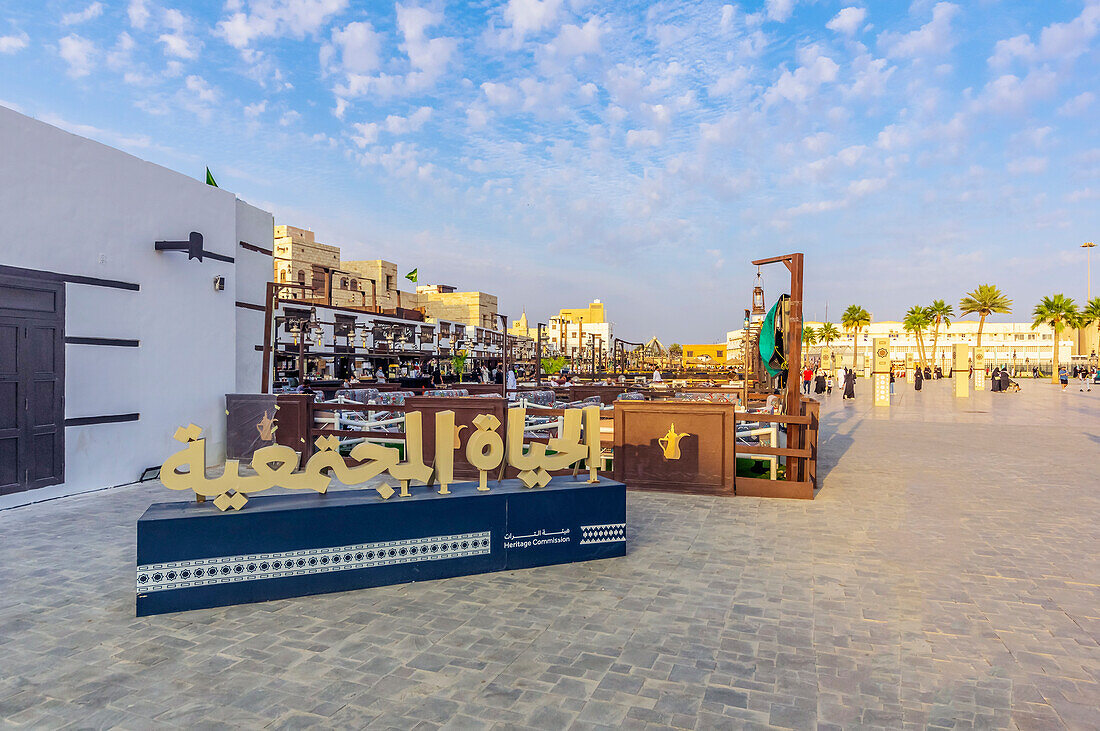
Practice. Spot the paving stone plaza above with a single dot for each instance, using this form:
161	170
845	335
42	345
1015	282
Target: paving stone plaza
946	576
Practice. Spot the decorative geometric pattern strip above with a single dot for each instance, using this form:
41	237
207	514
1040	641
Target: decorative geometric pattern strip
610	533
229	569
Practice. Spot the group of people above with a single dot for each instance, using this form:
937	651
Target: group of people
822	382
1087	376
1001	382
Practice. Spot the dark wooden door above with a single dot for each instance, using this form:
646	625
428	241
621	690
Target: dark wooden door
32	384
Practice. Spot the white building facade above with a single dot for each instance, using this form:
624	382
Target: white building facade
1013	344
106	344
576	339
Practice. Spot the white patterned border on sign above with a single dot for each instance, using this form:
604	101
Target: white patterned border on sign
229	569
609	533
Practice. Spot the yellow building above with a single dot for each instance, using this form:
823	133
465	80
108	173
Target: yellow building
593	313
442	302
703	355
521	329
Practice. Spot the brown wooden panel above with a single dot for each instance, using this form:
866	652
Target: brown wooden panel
706	464
294	422
760	487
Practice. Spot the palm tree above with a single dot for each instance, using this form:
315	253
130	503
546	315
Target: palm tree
827	333
941	314
809	336
984	301
854	319
1058	311
1091	312
918	318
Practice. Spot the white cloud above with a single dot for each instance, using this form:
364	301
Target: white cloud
866	186
530	17
79	53
13	43
500	95
893	137
575	40
1069	40
289	118
642	138
1078	104
252	111
91	12
358	47
1011	94
1027	166
804	81
255	19
848	20
1006	51
730	83
179	45
138	14
1084	194
729	12
779	10
931	39
367	133
202	91
816	207
404	125
871	76
428	56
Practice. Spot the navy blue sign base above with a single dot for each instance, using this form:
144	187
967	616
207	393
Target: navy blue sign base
191	556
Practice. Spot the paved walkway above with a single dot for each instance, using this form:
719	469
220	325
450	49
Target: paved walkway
947	575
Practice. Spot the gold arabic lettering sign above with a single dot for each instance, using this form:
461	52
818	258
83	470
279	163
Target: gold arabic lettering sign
486	450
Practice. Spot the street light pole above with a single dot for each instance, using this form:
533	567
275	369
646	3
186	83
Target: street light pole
538	353
504	357
1088	246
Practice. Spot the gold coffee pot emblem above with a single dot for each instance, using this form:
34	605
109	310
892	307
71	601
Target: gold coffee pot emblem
670	442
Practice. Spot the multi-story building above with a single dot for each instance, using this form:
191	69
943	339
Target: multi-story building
316	270
314	273
1014	344
442	302
575	332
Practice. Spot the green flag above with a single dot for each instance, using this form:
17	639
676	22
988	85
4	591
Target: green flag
411	276
210	178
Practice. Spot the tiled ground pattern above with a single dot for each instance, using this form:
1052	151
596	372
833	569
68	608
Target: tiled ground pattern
947	575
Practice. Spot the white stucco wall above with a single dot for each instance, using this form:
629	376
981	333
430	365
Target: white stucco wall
73	206
254	271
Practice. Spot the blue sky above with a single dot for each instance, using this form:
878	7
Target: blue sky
552	152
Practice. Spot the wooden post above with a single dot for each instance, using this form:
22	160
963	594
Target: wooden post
793	401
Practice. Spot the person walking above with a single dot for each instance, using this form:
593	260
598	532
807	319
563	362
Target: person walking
891	381
1063	377
829	385
918	379
807	376
850	385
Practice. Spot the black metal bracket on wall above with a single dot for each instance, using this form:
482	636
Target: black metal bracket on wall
193	247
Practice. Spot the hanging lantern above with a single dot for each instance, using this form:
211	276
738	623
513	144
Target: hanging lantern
758	297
